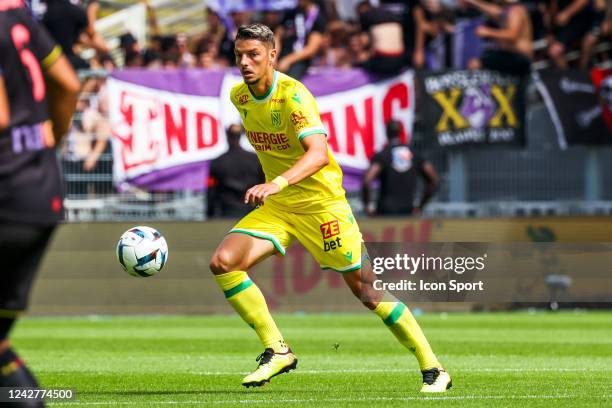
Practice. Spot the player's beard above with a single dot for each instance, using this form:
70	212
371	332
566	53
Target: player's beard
251	82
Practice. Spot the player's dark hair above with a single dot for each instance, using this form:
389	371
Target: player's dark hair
256	31
234	132
394	129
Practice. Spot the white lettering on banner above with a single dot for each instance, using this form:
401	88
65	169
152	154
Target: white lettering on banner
140	122
462	136
466	80
355	119
155	130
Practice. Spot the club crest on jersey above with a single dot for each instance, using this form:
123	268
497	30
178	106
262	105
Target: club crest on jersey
299	120
275	115
242	99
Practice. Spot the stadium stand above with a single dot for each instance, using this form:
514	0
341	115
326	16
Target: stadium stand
542	179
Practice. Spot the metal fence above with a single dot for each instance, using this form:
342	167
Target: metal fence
538	180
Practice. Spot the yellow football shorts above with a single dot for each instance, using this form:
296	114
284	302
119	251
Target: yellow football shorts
332	238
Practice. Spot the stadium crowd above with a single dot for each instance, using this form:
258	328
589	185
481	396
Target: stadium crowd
414	33
383	37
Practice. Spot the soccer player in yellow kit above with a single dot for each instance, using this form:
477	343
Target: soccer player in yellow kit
302	199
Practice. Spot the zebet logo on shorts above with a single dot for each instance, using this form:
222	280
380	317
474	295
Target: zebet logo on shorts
328	231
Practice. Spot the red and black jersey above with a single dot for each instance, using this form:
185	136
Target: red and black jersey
30	187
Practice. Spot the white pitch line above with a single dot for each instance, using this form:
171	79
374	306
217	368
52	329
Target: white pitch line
400	370
301	400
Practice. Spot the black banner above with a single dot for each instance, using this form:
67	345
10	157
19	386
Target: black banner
473	108
575	106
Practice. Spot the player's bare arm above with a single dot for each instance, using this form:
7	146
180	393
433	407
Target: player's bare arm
62	89
315	40
4	107
511	33
565	15
313	160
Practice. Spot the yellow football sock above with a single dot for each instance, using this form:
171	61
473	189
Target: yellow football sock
246	298
402	324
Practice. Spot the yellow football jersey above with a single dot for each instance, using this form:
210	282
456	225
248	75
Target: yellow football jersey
275	124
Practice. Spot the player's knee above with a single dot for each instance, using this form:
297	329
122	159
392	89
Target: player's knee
366	297
222	262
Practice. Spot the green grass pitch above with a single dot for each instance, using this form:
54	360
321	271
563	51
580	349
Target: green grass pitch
495	359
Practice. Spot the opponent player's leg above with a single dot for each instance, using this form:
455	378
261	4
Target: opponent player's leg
21	249
13	372
234	256
397	317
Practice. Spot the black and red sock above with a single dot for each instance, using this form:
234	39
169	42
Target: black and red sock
14	373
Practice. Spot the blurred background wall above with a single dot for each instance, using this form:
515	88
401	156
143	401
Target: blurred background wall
80	274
